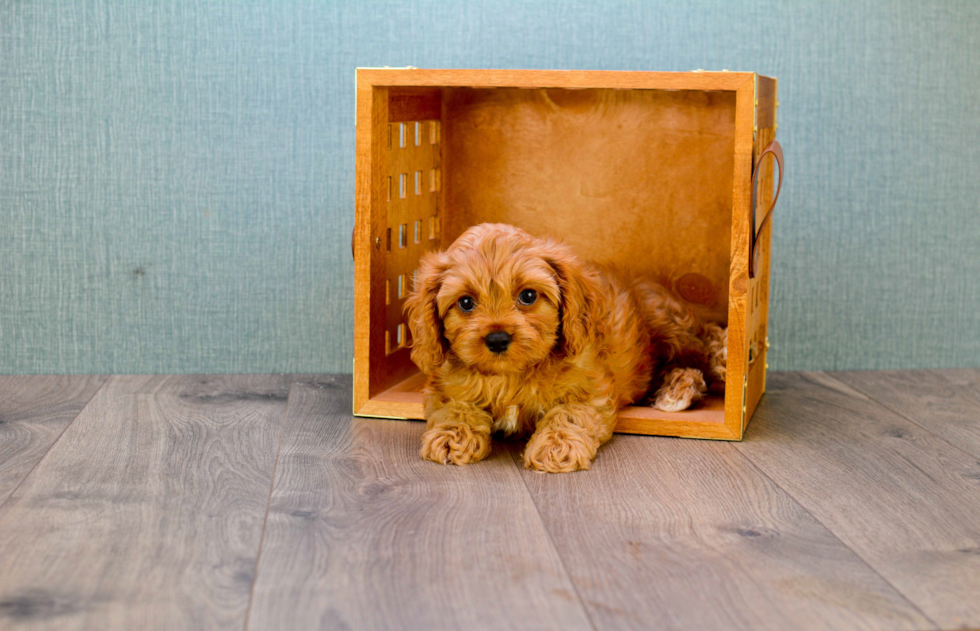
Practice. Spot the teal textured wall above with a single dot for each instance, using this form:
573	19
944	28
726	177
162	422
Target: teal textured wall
177	178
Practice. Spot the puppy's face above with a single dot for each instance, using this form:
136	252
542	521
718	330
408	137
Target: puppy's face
493	300
500	309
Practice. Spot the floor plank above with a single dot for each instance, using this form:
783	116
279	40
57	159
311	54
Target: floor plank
677	534
34	411
930	398
966	378
904	500
148	513
363	534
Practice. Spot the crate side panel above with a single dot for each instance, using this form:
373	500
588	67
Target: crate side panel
758	316
411	185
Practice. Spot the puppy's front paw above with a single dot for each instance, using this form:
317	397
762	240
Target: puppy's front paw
455	443
560	450
682	387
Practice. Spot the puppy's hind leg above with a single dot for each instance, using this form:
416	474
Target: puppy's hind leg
691	352
682	388
686	379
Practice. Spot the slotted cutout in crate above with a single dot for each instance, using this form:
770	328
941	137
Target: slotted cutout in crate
410	205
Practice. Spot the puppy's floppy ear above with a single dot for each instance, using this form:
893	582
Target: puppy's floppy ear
428	344
579	297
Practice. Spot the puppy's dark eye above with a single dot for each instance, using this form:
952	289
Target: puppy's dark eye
527	297
466	304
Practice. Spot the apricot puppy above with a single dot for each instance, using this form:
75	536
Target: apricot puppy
517	334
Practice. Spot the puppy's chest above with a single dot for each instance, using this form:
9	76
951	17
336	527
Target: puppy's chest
515	404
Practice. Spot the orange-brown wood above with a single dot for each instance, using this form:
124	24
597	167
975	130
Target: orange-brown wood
766	97
412	183
647	170
707	420
414	104
758	303
739	275
555	79
600	170
369	307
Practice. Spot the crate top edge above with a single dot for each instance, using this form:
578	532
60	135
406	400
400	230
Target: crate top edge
582	79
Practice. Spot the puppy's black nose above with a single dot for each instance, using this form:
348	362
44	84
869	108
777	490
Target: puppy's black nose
498	341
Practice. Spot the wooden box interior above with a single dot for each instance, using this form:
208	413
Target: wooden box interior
641	178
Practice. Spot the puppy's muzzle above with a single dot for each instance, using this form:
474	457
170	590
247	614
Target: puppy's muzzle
498	341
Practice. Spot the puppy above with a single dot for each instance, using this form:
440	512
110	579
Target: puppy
517	335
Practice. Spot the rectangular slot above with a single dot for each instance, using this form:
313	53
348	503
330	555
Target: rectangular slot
401	286
402	235
387	292
389	137
401	135
387	342
418	231
389	240
433	132
433	180
389	188
418	182
401	185
400	335
418	133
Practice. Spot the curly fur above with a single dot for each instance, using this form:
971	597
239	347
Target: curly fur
594	341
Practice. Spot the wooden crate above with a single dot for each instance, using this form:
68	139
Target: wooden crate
652	170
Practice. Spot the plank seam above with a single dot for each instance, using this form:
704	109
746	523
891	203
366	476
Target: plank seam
755	466
47	451
268	504
544	526
909	418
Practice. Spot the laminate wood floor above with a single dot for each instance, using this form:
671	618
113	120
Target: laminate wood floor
259	502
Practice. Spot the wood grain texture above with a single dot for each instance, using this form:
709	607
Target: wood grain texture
405	401
766	95
628	80
34	411
411	166
148	513
943	402
900	497
363	534
738	342
672	534
609	172
757	300
966	378
369	239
